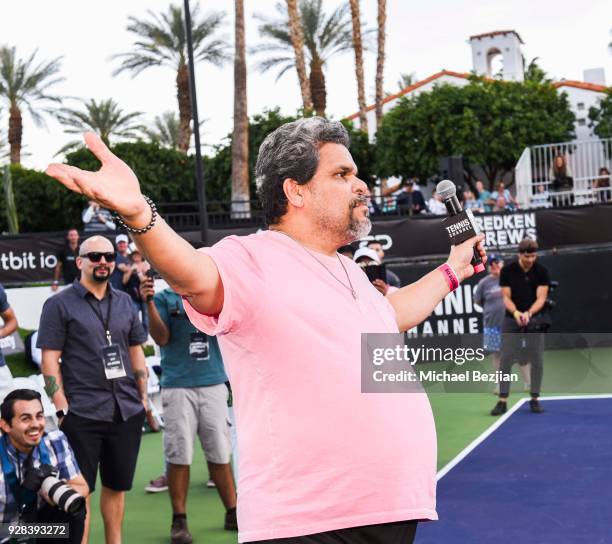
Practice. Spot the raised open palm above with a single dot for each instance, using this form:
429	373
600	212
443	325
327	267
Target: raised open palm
114	186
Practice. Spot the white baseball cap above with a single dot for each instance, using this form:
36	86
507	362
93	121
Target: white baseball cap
366	252
122	238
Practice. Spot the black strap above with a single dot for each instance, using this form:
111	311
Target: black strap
98	312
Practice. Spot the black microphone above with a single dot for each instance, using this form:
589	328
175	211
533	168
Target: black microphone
447	191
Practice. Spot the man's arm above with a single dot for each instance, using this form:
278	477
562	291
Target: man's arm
57	272
157	327
139	367
10	323
189	272
541	297
52	374
79	484
415	302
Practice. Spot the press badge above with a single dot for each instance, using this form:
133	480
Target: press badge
113	365
198	346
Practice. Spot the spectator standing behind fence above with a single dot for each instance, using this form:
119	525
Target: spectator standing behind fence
9	327
132	278
194	397
525	285
470	202
501	191
603	183
410	200
100	388
484	196
24	447
435	204
97	219
66	261
122	261
392	277
560	174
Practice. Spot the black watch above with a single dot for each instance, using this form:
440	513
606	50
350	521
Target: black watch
60	414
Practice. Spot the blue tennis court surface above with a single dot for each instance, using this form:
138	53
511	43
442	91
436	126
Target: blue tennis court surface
538	478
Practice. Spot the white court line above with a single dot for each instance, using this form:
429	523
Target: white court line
489	431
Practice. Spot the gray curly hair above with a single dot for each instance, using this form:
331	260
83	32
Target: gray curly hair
292	151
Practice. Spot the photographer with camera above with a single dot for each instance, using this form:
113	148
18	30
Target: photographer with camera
370	263
525	284
34	462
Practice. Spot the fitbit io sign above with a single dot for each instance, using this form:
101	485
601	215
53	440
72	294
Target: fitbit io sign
27	260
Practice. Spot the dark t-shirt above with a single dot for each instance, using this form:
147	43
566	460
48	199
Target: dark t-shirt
67	257
523	285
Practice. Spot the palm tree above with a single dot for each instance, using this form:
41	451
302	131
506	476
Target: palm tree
161	42
380	59
165	130
406	80
26	83
297	41
324	37
240	140
105	118
358	46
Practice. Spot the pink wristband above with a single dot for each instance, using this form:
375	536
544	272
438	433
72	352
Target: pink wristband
450	276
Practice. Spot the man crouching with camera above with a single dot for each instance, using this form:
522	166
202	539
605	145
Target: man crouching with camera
40	480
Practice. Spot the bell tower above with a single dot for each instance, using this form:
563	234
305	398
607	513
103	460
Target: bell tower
488	49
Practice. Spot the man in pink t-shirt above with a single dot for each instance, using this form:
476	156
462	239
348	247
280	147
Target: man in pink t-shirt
320	462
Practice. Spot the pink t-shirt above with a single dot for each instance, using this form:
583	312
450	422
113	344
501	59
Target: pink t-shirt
316	454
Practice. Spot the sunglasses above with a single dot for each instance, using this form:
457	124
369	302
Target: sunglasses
96	256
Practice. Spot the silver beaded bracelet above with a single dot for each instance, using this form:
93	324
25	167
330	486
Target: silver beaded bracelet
132	230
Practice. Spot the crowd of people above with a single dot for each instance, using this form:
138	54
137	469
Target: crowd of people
287	311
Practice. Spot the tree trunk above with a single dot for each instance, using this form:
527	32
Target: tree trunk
9	200
184	104
358	47
15	133
240	140
317	87
297	40
380	59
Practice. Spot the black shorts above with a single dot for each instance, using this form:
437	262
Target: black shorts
401	532
113	445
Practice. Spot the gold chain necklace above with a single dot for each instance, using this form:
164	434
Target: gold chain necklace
349	287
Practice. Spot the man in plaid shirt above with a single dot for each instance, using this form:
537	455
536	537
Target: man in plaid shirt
25	444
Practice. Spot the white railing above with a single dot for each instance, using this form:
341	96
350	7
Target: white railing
538	184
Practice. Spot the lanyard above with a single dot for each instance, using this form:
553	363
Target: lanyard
24	497
98	312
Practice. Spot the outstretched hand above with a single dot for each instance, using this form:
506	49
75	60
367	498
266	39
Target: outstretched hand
114	186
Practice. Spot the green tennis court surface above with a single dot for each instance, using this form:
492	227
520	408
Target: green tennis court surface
460	418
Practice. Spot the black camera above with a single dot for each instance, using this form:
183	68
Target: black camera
59	492
150	276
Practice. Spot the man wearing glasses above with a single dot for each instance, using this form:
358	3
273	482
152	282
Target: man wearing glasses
100	388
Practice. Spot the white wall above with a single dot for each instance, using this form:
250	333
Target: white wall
580	101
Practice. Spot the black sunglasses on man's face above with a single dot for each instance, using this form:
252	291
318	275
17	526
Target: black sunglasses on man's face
96	256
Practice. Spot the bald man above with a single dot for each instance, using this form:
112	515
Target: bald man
100	388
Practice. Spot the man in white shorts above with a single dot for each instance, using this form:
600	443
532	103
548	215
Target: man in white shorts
194	397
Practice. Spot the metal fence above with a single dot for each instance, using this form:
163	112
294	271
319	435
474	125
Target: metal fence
564	174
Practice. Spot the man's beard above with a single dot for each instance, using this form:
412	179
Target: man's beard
100	278
358	229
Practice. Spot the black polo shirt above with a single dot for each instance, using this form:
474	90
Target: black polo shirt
523	285
67	257
69	324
